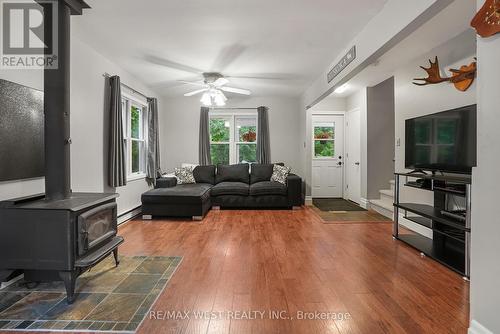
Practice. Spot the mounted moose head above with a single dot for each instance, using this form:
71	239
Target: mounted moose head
462	78
487	20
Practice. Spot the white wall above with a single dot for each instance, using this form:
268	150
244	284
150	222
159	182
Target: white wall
182	119
485	267
413	101
88	131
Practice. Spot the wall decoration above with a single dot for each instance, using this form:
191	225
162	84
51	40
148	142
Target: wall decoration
342	64
487	20
462	78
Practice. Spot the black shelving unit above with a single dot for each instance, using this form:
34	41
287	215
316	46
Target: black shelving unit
450	243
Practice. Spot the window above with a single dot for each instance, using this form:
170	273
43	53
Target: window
324	141
134	132
233	138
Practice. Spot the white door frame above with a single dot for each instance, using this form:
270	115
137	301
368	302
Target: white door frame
346	145
311	146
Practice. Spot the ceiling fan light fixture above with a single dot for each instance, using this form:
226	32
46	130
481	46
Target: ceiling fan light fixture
206	99
219	100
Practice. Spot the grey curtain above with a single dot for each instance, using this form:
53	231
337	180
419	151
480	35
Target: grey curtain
263	143
204	147
117	173
153	158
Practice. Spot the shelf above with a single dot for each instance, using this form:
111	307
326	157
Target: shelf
447	256
432	213
463	179
417	187
426	222
450	191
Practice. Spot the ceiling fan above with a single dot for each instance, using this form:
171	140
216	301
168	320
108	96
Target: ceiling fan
214	86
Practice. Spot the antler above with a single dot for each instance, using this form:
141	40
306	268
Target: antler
434	75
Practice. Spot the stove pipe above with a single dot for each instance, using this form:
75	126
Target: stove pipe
57	102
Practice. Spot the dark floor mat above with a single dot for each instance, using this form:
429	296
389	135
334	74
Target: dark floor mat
336	204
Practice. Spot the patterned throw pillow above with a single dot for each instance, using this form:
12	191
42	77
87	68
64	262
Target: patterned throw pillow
280	174
185	175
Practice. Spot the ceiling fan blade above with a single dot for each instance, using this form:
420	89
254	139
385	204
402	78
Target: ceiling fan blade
236	90
196	92
221	82
195	83
227	56
172	64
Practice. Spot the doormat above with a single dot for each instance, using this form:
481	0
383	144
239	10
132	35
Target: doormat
336	205
109	298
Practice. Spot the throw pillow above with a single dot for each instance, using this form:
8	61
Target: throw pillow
185	175
280	174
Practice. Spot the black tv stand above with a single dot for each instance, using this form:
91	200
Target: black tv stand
450	242
418	171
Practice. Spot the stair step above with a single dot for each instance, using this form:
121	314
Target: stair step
387	192
387	197
382	207
383	204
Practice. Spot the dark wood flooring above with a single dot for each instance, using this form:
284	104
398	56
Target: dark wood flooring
291	261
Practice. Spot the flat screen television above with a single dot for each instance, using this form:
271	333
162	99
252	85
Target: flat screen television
21	132
445	141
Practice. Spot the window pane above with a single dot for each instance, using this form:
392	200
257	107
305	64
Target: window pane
246	129
247	153
324	148
135	122
135	156
219	130
323	132
220	153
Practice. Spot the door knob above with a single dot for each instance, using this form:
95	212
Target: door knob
339	163
356	163
340	157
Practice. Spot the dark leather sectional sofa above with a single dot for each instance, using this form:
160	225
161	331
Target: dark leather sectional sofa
224	186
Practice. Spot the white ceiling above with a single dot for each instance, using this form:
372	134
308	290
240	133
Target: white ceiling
278	47
453	22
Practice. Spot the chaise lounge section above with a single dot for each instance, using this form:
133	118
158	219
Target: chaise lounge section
224	186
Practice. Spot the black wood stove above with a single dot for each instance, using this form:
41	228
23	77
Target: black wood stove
58	235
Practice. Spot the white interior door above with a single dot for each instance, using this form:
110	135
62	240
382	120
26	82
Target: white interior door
327	155
353	156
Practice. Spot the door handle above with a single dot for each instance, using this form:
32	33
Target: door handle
339	163
356	163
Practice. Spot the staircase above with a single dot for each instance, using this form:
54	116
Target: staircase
384	205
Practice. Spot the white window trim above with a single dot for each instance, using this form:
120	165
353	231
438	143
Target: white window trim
233	144
139	102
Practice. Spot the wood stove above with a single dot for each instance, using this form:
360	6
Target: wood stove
60	234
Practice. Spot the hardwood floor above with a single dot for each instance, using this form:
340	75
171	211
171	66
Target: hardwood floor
290	261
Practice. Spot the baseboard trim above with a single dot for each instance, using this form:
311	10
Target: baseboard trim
364	203
129	215
309	201
477	328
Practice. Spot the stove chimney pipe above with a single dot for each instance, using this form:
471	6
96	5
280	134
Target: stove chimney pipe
57	101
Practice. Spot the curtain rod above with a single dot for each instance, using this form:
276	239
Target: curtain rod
230	108
107	75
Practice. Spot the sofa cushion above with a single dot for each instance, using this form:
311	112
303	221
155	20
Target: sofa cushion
233	173
204	174
181	194
260	172
268	188
280	174
184	175
230	188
